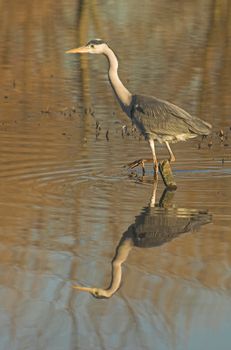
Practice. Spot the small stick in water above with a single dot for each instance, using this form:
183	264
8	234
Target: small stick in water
167	176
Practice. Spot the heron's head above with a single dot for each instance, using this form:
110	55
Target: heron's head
96	292
95	46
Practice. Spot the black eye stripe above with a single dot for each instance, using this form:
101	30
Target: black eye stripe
95	42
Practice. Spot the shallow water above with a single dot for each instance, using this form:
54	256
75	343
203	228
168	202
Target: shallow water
68	207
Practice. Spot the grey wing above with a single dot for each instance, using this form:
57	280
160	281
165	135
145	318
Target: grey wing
162	118
156	226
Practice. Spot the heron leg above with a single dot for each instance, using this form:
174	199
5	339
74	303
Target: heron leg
143	168
155	162
172	157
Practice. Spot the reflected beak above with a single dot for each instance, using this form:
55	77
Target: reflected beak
82	49
83	289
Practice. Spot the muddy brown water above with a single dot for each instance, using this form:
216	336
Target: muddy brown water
67	202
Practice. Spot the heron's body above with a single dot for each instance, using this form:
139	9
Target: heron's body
156	119
164	121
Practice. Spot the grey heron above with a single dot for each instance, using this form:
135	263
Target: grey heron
156	119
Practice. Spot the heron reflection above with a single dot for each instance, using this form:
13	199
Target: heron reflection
157	224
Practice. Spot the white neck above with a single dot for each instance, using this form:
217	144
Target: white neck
121	255
123	95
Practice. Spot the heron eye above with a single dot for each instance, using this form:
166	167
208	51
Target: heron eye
92	46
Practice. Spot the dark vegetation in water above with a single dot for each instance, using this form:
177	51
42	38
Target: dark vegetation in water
218	138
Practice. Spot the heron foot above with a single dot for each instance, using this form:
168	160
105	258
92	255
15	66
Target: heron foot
141	162
137	163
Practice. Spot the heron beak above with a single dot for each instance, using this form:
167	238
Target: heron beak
83	289
82	49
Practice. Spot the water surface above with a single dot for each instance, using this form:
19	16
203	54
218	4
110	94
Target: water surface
67	201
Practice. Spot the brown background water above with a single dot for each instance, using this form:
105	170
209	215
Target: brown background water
66	199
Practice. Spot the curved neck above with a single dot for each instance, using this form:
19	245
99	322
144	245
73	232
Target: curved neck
123	95
121	255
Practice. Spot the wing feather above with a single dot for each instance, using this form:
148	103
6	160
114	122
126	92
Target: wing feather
159	117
